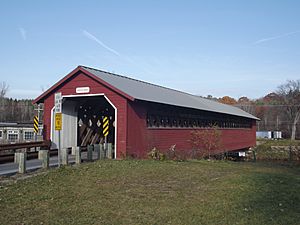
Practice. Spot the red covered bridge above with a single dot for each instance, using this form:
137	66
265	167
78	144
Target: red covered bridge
140	115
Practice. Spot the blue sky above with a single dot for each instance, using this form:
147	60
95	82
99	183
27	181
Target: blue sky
235	48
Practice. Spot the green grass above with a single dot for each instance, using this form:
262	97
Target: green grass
265	152
281	142
152	192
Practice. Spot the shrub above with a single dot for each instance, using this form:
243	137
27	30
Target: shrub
205	141
155	154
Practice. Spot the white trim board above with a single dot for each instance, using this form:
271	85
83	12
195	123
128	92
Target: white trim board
90	95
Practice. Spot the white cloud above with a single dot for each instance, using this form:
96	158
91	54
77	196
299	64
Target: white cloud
23	33
115	52
276	37
93	38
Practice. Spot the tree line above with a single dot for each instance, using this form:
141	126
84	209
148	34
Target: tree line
13	110
279	110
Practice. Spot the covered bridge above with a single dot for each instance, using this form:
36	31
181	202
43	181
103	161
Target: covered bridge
140	115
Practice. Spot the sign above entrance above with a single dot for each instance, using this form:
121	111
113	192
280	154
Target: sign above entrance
82	90
58	101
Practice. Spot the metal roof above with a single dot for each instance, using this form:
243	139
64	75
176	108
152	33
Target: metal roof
154	93
21	125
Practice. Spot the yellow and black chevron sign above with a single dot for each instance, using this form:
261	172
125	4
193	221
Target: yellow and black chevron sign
105	126
35	124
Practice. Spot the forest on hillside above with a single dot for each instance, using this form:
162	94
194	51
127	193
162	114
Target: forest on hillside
277	111
269	109
13	110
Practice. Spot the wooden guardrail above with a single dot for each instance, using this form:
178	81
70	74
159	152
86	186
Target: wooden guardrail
26	145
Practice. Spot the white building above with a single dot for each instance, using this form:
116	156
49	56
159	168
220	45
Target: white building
17	132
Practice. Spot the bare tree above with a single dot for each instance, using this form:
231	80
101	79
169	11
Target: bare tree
206	141
246	104
290	95
3	89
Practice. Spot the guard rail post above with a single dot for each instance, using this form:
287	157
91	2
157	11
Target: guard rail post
64	156
97	150
77	155
90	153
22	162
44	157
109	150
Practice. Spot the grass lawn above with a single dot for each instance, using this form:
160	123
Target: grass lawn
152	192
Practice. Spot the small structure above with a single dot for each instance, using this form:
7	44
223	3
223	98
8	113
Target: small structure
269	134
136	116
11	133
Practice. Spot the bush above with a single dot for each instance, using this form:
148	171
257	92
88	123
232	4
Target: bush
155	154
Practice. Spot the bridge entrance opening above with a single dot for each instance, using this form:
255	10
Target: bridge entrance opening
95	121
86	120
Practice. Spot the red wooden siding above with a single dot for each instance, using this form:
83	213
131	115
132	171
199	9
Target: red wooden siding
231	139
134	138
136	130
81	80
142	139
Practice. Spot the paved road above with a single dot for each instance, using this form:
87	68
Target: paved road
33	164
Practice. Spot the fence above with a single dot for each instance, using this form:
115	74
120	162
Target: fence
91	153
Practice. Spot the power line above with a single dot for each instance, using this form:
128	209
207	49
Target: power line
266	105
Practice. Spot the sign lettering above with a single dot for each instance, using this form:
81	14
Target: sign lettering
81	90
58	121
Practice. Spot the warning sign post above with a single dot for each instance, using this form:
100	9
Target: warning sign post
58	121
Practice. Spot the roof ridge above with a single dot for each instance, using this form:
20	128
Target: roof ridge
208	103
145	82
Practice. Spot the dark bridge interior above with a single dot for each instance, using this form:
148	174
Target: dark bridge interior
91	112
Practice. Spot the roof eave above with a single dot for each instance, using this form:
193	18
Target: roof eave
107	84
207	110
40	99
